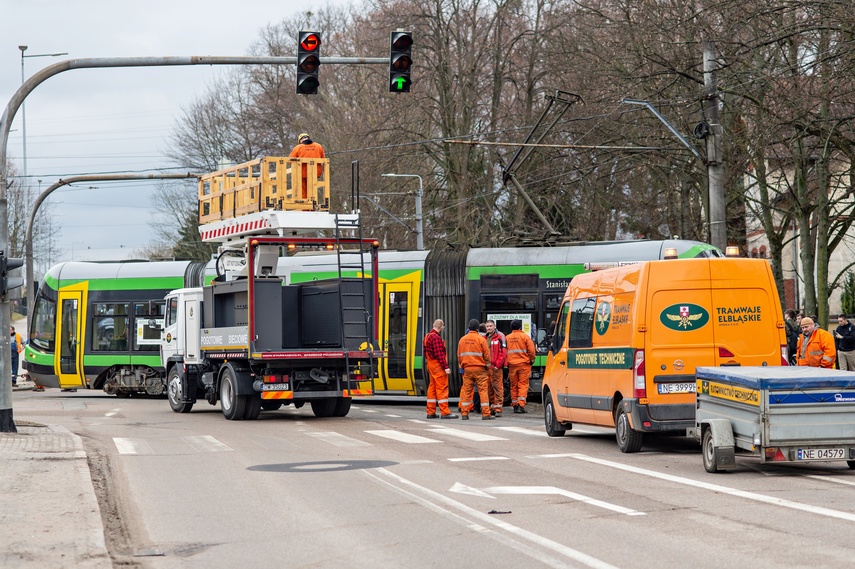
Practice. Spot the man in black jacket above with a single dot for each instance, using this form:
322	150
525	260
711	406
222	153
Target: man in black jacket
845	337
793	331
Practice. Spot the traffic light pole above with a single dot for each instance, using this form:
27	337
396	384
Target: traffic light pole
7	423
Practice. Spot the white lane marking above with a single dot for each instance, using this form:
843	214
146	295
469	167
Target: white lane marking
819	510
830	479
393	416
434	499
132	446
477	458
112	412
524	431
368	410
339	440
561	492
468	435
402	437
206	443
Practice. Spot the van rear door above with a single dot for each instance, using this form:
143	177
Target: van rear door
680	333
746	314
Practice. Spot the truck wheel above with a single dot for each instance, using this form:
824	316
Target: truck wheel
173	391
628	440
708	451
342	407
252	408
323	407
553	427
233	404
270	404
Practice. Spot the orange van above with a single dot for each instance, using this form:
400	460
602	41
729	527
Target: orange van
628	339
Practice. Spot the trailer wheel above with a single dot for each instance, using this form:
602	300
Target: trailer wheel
342	406
553	427
708	451
233	405
628	440
323	407
174	392
270	404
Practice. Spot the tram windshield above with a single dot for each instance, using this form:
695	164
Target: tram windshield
43	325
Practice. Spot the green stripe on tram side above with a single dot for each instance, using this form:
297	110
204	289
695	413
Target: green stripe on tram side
107	360
695	250
543	271
387	274
136	283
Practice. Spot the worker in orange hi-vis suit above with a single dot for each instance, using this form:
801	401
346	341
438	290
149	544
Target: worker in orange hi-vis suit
816	346
306	148
438	371
473	355
520	357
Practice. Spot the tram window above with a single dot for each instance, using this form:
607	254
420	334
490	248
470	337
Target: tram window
552	301
508	303
506	282
582	323
109	327
43	329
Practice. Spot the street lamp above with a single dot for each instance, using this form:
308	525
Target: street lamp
23	48
420	244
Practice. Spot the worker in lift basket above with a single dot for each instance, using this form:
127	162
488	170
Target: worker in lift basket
306	148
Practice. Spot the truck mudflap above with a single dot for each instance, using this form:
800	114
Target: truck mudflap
646	418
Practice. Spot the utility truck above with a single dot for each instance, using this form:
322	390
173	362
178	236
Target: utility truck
248	339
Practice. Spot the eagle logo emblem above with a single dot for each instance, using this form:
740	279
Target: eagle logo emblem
603	317
684	317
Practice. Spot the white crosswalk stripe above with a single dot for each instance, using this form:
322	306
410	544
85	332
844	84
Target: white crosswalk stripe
525	431
339	440
465	434
132	446
205	443
402	437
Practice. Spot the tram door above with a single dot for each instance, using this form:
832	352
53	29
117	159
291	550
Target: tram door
397	331
69	350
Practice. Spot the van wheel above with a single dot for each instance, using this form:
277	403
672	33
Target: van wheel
233	404
553	427
173	391
708	452
628	440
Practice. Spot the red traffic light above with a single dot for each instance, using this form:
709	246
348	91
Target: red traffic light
310	42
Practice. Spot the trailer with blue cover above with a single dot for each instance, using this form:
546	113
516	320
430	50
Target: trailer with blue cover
779	414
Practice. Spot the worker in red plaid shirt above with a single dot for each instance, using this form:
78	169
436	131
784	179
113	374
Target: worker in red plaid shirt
436	365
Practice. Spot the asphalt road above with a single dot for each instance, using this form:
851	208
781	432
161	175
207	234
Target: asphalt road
385	487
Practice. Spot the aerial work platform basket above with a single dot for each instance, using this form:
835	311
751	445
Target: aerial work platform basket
268	183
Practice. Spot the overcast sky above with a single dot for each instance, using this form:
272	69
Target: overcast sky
96	121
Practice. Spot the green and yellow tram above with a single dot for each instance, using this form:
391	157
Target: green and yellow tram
98	325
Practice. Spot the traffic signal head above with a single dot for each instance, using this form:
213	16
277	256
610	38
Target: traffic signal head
8	282
400	61
308	62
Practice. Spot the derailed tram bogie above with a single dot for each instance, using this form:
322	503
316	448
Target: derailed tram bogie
123	381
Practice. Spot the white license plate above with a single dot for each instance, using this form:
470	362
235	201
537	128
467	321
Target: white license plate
677	388
819	454
276	387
